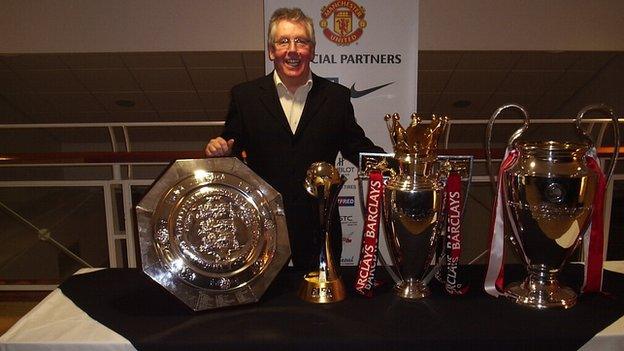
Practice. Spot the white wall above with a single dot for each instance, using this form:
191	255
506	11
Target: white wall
29	26
593	25
34	26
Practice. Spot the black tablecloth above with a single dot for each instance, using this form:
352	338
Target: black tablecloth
130	303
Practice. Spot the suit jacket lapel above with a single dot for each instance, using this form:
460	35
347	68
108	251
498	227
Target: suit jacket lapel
315	100
270	100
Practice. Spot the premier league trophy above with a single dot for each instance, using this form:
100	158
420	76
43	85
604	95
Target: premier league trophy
547	192
324	284
412	203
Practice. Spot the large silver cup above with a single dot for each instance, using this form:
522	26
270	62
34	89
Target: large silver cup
412	203
547	196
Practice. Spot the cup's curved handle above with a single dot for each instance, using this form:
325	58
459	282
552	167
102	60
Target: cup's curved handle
616	131
514	136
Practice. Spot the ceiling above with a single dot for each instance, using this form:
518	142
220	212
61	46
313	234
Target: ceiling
194	86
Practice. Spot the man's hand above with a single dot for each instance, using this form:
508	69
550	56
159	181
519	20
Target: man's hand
219	147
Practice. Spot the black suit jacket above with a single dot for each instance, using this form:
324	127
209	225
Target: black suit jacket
259	126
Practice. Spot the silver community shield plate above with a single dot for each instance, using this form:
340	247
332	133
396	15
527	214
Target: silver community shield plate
212	232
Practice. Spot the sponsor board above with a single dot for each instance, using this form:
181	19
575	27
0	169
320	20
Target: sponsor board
346	201
371	48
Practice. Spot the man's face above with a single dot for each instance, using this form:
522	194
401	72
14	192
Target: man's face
292	52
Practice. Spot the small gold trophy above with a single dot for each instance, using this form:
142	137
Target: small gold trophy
324	285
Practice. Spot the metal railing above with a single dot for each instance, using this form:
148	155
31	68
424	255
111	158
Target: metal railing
116	159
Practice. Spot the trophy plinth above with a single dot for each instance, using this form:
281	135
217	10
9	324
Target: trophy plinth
412	289
541	290
321	290
324	285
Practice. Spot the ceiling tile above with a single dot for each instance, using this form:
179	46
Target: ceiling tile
426	102
616	64
51	81
216	115
529	82
445	106
84	117
548	104
107	80
551	61
438	60
478	81
215	100
83	139
34	61
47	117
174	79
74	102
499	99
172	101
217	79
255	72
181	138
605	87
109	101
592	60
465	134
213	59
432	81
253	58
30	103
487	60
133	116
8	113
12	83
153	60
571	81
92	61
184	115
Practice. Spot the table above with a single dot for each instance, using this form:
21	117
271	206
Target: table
391	323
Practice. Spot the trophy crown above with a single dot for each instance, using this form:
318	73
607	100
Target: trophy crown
418	138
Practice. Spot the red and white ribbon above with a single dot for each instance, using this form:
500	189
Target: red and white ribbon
494	278
453	199
365	280
593	238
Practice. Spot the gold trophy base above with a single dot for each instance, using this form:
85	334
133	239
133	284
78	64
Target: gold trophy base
412	289
316	291
541	294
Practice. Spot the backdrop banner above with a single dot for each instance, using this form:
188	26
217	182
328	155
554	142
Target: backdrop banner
371	48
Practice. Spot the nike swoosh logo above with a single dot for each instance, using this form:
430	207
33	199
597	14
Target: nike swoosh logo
359	93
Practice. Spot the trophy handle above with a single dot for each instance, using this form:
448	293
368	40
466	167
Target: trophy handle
616	132
514	136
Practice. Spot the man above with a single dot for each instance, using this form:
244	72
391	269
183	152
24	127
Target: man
287	120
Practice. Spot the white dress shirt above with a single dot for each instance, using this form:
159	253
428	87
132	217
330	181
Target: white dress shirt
292	104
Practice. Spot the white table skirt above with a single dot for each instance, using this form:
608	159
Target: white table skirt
56	323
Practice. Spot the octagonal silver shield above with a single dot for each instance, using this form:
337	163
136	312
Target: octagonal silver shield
212	233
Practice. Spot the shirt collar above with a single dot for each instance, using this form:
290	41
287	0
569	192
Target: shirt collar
279	83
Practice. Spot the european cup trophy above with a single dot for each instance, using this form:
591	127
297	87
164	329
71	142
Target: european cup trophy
547	192
412	203
324	285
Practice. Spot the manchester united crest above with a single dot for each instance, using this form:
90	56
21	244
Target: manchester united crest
339	21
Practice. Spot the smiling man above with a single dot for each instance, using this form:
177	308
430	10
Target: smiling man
288	120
